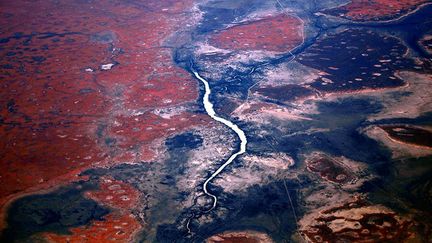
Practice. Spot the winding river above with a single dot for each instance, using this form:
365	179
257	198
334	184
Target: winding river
208	106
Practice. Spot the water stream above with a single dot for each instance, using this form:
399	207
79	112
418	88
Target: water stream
208	106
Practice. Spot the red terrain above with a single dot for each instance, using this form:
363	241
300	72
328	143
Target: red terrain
79	90
120	225
279	34
364	10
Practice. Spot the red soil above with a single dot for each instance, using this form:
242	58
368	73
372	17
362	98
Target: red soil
115	194
56	117
371	226
120	225
115	227
279	33
377	9
330	169
136	134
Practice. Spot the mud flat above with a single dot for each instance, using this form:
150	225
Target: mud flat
264	113
285	93
409	101
275	160
412	135
366	60
426	43
255	170
240	237
400	145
